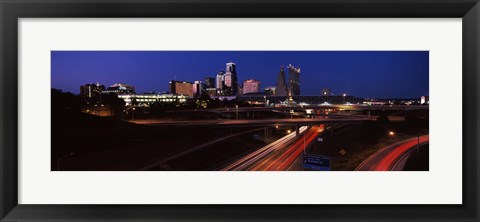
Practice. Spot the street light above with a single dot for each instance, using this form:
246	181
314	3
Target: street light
61	158
236	110
289	131
391	133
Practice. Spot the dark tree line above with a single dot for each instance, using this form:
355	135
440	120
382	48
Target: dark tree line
65	102
68	102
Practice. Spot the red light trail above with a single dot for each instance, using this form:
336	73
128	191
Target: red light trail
387	158
391	158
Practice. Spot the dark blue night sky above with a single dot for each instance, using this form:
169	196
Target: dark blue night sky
367	74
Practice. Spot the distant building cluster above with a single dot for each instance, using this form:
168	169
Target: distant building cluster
226	82
224	85
223	89
94	91
93	94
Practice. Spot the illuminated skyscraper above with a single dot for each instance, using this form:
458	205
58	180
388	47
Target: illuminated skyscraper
281	83
293	80
219	80
230	79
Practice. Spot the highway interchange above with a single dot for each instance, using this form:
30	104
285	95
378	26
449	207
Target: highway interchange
282	153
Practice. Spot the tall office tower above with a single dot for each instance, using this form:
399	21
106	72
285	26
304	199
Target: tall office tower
209	82
197	89
230	78
293	80
281	83
220	80
251	86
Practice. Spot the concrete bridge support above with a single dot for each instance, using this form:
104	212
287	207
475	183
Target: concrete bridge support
297	131
267	133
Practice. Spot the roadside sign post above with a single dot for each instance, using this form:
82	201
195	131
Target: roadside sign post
316	162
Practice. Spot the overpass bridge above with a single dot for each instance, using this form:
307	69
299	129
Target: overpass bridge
297	122
314	107
256	122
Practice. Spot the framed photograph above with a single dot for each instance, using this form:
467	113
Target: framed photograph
226	110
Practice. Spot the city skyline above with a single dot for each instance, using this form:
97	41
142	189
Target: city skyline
318	118
367	74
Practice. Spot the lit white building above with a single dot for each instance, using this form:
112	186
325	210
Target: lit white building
147	99
197	88
120	88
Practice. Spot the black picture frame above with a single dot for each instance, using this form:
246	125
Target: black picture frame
12	10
